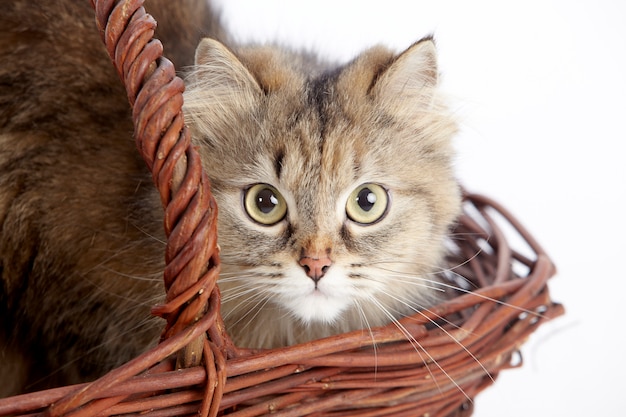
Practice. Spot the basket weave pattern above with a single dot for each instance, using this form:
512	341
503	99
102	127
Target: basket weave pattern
421	369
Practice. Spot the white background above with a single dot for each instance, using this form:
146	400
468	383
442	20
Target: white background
540	88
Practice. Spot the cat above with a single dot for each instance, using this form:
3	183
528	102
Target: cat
334	184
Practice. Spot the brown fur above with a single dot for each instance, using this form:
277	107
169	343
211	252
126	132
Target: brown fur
81	248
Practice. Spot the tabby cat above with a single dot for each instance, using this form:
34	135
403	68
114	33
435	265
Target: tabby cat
334	184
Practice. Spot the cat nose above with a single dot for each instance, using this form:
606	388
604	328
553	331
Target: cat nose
315	266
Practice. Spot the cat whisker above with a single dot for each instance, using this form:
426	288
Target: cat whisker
233	277
158	276
412	303
420	311
139	301
256	308
420	280
234	291
419	349
149	235
365	324
411	279
252	298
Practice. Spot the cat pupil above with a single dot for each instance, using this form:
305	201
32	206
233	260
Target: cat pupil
266	200
366	199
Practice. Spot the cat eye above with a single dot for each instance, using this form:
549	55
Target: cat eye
367	204
264	204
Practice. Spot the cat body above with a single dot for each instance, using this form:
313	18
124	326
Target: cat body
334	185
81	236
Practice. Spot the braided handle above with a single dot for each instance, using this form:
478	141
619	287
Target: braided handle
191	308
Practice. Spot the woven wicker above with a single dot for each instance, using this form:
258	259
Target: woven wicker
423	369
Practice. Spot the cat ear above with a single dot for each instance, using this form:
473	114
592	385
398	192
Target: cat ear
411	78
215	61
219	82
218	91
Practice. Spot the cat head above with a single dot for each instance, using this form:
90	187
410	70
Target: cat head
335	187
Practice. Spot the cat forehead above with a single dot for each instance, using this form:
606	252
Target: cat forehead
298	73
321	118
277	69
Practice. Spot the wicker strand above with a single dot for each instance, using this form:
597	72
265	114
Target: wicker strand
192	262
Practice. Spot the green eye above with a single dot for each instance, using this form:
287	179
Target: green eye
367	204
264	204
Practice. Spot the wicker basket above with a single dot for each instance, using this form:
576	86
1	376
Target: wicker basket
434	370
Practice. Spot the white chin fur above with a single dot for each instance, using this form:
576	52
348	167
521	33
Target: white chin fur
324	304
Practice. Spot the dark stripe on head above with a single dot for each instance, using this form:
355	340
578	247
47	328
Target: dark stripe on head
319	90
278	162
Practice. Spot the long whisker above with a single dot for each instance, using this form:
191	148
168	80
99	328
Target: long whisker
367	326
420	311
252	298
420	280
157	275
243	292
418	347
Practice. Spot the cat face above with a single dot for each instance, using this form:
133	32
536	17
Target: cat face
334	186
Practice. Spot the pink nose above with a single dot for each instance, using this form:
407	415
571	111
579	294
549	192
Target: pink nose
315	266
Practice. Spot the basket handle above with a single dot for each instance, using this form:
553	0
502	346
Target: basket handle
155	94
192	302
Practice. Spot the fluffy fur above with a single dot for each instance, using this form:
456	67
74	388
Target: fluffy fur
82	243
316	132
81	248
